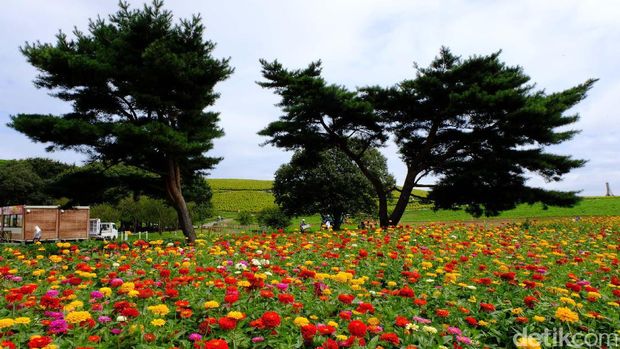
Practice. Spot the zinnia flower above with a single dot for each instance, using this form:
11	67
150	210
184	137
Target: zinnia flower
566	315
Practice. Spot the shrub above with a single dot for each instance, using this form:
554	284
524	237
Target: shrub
273	217
245	218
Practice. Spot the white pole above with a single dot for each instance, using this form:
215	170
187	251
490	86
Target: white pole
139	235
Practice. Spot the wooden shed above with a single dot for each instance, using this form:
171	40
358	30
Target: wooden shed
17	223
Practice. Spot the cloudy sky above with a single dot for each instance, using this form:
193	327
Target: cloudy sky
558	43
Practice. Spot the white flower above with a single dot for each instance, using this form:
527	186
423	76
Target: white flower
256	262
259	252
241	266
429	329
412	327
121	318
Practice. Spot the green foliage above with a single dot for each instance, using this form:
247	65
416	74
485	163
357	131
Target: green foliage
476	124
328	183
273	217
139	85
106	212
29	181
245	218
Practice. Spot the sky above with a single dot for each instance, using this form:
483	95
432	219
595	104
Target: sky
559	43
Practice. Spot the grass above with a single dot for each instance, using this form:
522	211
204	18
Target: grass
233	195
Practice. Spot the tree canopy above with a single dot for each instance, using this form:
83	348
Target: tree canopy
139	85
477	125
328	183
29	181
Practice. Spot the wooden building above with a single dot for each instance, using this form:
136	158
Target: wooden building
17	223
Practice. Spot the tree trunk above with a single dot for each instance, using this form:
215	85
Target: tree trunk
337	220
403	199
173	187
384	221
376	184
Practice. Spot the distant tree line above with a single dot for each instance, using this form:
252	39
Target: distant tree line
119	193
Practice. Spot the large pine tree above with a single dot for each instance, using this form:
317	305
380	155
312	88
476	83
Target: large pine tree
139	85
476	124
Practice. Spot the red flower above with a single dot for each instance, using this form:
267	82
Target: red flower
419	302
308	331
365	308
406	292
487	307
325	330
227	323
149	337
442	312
346	298
401	321
271	319
530	301
330	344
286	298
39	342
357	328
231	298
510	276
471	321
390	337
216	344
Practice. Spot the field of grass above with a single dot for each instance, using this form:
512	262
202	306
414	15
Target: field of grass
233	195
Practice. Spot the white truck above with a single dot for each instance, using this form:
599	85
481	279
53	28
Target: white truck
99	230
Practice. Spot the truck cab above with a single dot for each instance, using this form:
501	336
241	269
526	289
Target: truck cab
102	230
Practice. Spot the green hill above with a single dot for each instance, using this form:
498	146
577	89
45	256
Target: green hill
233	195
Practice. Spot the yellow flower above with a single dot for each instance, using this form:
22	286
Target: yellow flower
566	315
211	304
237	315
160	309
528	343
6	322
243	283
517	311
373	321
106	291
539	318
332	324
73	305
301	321
158	322
75	317
22	320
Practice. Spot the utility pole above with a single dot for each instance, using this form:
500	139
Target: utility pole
609	193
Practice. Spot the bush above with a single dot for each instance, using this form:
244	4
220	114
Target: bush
245	218
273	217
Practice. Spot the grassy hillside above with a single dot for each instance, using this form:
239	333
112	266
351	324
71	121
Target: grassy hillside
233	195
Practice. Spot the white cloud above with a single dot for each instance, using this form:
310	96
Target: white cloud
559	44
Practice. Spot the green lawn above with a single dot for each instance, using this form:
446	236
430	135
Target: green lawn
233	195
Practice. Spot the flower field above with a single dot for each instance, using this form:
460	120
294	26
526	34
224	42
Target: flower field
414	287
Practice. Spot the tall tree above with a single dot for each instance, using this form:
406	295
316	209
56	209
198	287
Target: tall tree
139	85
328	183
476	124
